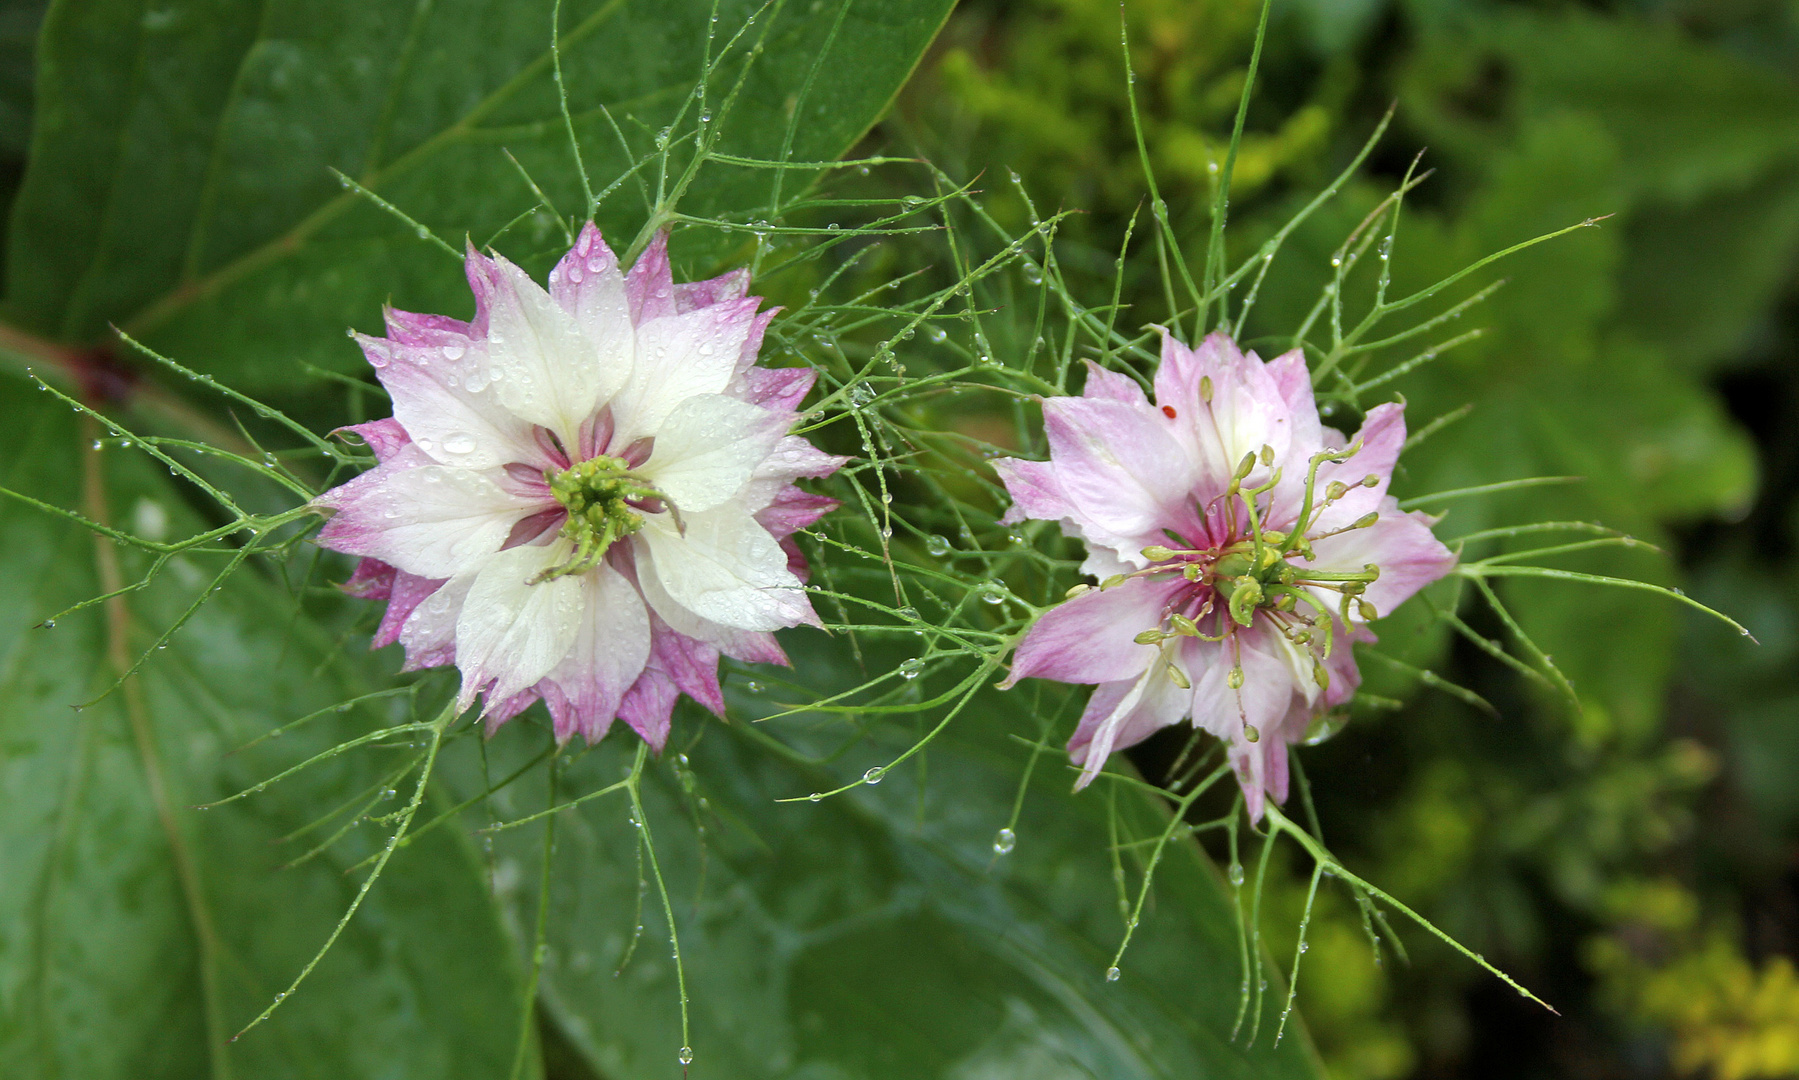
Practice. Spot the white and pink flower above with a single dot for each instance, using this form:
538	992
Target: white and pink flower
1243	546
586	494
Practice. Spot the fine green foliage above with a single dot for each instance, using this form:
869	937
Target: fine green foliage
880	932
228	189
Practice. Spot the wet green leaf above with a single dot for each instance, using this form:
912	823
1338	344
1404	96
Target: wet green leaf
101	970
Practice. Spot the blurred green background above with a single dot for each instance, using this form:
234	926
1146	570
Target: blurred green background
1634	864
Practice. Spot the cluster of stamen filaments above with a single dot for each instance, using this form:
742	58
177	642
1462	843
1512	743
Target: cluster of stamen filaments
605	503
1253	574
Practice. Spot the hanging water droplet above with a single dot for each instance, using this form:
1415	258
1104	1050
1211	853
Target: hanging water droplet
1304	945
910	667
685	1057
874	775
1032	274
993	594
1236	874
48	624
815	796
1112	974
936	545
1004	841
912	202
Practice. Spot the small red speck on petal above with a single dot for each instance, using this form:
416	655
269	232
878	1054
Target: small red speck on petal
1168	411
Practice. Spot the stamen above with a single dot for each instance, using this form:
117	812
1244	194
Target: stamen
598	494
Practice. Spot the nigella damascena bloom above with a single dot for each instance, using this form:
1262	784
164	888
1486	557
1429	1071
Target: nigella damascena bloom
1243	547
586	494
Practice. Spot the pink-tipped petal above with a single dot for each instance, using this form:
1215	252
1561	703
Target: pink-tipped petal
1035	489
691	665
698	294
409	591
426	519
511	631
1149	703
1124	474
610	648
445	405
678	357
1402	545
778	388
649	706
371	580
1106	385
384	437
650	284
544	369
1089	639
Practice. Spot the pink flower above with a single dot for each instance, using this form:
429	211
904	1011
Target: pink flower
1243	547
586	494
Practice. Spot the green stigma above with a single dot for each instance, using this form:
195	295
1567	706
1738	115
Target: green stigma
597	494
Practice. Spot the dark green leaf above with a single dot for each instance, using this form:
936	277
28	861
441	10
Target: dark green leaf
181	187
101	973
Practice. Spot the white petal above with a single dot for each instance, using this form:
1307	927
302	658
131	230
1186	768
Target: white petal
612	643
709	447
429	633
514	632
455	425
588	284
726	568
429	520
545	369
678	357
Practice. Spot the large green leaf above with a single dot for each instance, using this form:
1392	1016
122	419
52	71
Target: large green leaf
878	934
102	974
180	181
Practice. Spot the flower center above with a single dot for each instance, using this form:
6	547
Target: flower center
602	498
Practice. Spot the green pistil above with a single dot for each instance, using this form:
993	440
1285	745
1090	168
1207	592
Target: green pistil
597	494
